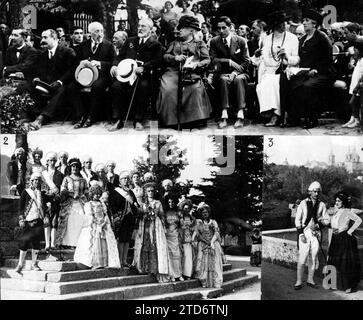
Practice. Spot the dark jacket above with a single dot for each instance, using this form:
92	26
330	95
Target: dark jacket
60	67
13	175
25	63
26	201
317	53
150	52
105	53
237	52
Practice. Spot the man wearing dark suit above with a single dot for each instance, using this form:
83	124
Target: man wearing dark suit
142	48
230	58
101	53
20	57
55	66
112	177
76	38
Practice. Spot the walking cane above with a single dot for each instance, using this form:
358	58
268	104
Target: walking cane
180	94
132	100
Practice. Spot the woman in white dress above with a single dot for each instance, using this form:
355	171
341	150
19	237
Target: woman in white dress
74	191
280	49
97	246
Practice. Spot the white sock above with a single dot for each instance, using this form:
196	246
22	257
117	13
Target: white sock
240	114
52	237
224	114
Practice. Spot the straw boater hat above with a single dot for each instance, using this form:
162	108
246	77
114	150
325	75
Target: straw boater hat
86	74
42	87
125	71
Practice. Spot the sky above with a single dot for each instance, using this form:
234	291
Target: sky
120	148
299	150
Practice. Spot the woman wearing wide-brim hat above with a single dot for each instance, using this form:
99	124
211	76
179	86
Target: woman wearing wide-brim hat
280	50
316	54
194	56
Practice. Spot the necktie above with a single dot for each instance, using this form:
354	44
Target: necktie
141	41
94	48
18	53
50	55
225	42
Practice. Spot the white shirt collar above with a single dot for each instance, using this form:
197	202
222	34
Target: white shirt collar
144	39
229	39
53	50
21	47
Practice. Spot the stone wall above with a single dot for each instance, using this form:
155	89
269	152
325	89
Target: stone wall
278	250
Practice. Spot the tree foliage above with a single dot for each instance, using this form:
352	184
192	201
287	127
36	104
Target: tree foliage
238	195
165	160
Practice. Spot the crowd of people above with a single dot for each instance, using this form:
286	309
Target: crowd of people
311	218
183	73
99	213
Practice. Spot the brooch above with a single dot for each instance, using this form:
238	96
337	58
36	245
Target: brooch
131	45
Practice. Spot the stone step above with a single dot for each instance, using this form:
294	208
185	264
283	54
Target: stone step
62	288
233	274
26	275
232	285
63	266
132	292
44	265
206	293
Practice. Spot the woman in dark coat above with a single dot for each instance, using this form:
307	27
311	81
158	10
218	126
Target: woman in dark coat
195	104
316	54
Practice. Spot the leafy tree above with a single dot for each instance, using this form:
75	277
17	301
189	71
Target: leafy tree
165	160
238	195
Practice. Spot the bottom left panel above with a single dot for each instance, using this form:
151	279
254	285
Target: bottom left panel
131	217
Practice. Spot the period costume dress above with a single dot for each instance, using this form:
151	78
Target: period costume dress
73	192
150	250
268	88
195	102
172	224
139	194
343	249
97	246
209	264
186	234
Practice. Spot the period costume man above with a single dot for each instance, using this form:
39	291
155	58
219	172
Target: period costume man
55	66
32	215
100	53
124	207
112	177
87	173
62	162
20	57
230	58
193	57
18	171
316	55
148	53
55	178
308	221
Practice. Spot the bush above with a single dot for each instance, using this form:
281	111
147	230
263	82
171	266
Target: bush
12	106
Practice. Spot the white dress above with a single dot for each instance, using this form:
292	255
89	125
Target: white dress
268	88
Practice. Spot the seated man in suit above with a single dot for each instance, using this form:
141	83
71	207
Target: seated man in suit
20	57
76	38
229	54
101	53
142	48
55	66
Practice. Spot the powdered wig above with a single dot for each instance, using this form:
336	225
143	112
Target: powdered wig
95	189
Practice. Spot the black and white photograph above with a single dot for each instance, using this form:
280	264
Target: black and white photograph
149	217
289	67
312	218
